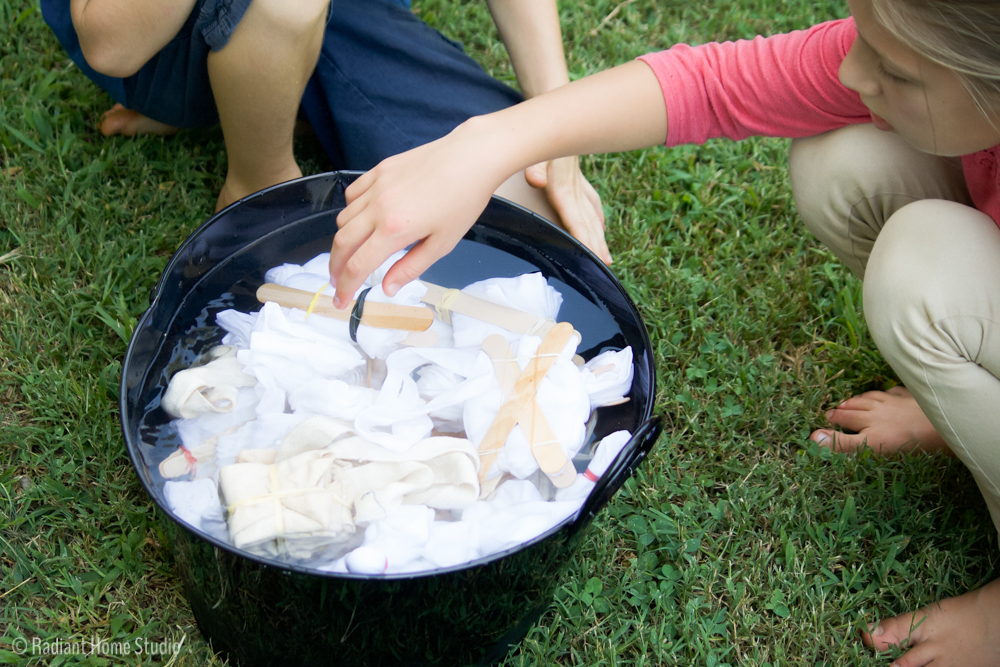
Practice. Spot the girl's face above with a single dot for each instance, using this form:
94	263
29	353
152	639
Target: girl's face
921	101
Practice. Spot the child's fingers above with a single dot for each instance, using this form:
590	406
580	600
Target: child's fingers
353	209
537	175
416	260
358	266
360	185
345	262
595	200
582	222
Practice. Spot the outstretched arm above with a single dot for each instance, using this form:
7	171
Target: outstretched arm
530	31
433	194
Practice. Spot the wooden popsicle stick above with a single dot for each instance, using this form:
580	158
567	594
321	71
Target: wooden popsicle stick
379	315
545	446
522	394
505	317
504	363
420	339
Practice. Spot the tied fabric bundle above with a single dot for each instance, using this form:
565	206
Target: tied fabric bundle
378	456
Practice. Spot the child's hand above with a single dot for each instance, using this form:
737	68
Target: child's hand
430	196
574	199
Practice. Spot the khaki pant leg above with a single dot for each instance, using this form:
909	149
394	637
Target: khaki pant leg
848	182
932	301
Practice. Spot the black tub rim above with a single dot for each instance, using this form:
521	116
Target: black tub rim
643	437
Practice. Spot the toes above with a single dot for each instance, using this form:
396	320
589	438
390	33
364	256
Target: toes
918	656
895	631
114	120
837	441
863	402
851	416
116	107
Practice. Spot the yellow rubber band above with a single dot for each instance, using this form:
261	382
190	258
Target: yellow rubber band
312	304
443	306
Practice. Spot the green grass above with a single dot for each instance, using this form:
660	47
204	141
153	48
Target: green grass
736	543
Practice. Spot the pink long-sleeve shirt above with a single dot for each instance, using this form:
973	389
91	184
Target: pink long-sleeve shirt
781	86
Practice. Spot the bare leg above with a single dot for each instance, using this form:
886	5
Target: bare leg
517	189
119	120
957	632
258	80
887	421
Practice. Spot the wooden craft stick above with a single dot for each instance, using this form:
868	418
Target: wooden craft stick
545	446
522	394
420	339
507	318
504	363
380	315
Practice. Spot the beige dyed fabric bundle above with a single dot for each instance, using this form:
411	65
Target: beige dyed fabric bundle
300	499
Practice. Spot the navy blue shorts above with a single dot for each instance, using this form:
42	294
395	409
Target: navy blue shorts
173	86
385	81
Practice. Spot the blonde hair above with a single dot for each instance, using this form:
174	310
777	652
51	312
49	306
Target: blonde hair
962	35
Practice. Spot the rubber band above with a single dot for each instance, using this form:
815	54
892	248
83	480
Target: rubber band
356	314
444	304
188	456
590	475
537	326
312	304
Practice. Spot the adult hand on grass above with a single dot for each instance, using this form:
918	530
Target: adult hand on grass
574	199
429	196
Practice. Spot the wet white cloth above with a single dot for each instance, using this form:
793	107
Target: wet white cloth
439	472
516	514
529	292
267	431
314	274
400	416
197	504
607	451
322	446
608	376
295	353
560	396
393	543
213	387
314	498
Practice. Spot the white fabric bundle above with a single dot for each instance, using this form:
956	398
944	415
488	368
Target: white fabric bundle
560	397
304	502
607	451
197	504
314	274
530	293
320	444
297	506
210	388
608	376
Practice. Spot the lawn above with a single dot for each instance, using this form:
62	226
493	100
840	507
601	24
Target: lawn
738	542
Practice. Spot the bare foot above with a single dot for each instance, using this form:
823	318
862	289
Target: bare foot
119	120
887	421
957	632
